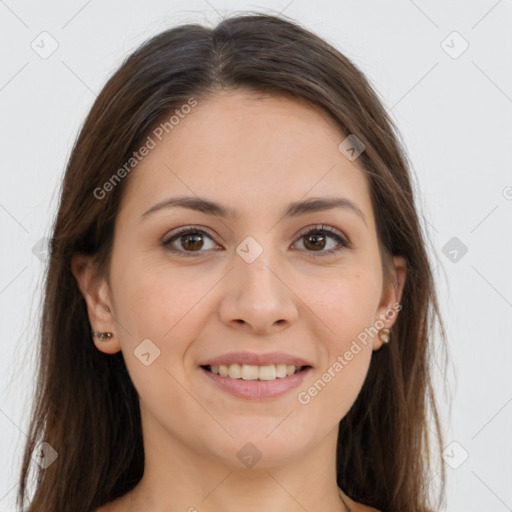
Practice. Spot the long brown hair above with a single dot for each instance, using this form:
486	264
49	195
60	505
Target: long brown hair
86	407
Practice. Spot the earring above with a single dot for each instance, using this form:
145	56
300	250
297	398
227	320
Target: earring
384	335
102	336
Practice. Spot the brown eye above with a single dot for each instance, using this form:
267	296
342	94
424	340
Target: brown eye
188	240
316	240
191	242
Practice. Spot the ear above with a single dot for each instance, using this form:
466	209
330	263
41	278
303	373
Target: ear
96	292
389	306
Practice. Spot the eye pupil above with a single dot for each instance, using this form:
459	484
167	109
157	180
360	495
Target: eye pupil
193	241
196	244
315	238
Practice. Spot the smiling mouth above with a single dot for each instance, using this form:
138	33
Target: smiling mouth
253	372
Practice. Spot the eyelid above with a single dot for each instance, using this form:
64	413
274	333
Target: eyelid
342	240
324	227
192	228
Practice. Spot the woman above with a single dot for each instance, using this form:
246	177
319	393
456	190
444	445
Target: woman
239	302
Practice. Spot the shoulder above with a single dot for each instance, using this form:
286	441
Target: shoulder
358	507
112	506
116	506
119	504
365	508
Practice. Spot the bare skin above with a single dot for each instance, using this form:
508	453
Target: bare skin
123	504
255	154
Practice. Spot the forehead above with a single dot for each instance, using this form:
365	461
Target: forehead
247	150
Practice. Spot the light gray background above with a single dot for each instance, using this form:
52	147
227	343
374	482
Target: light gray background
454	113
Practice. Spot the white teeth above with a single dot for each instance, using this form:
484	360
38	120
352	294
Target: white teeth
281	370
267	372
249	372
235	371
253	372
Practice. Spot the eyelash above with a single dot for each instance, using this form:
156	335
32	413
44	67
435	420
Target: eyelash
320	229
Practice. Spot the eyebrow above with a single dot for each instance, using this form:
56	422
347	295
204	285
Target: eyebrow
203	205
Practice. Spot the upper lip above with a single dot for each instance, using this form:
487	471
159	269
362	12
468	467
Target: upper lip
256	359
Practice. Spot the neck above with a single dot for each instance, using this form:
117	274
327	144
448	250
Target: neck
180	477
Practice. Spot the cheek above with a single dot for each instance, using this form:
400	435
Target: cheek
344	309
346	304
156	302
162	307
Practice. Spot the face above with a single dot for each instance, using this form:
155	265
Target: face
297	284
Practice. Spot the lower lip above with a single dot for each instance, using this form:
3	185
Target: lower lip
257	389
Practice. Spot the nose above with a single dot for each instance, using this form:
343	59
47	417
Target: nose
258	297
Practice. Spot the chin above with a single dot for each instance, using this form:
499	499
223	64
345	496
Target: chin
260	443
